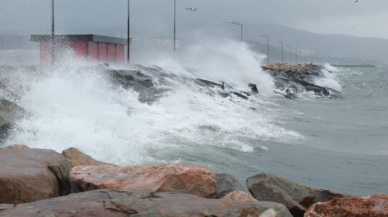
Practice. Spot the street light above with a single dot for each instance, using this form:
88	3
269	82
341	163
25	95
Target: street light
52	18
232	22
189	9
296	55
282	50
290	52
129	34
174	27
267	48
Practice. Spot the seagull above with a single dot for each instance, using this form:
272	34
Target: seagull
191	9
356	1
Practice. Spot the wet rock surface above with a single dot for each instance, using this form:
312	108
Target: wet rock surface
120	203
182	178
372	206
297	198
28	175
77	158
9	113
291	79
267	187
227	183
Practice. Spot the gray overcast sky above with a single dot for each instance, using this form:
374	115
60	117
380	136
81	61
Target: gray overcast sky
365	18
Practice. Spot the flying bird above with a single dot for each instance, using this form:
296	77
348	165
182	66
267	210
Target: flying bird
191	9
356	1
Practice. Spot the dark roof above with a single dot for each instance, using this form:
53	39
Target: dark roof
70	38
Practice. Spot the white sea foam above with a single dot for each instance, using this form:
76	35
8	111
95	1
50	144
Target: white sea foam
329	78
70	106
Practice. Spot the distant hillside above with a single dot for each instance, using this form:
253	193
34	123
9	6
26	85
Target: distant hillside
333	46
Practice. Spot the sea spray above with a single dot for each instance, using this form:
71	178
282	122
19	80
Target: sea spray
77	106
329	78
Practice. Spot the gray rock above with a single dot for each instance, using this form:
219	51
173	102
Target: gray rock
123	203
326	195
266	187
297	198
9	113
227	183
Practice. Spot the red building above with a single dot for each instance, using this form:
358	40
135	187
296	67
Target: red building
80	47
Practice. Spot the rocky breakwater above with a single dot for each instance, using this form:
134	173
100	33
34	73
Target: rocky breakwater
291	79
44	176
36	182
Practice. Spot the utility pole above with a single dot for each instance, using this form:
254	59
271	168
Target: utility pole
174	28
53	18
290	53
52	29
129	34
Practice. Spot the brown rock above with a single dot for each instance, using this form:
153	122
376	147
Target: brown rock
124	203
239	196
28	175
77	158
17	147
150	178
372	206
267	187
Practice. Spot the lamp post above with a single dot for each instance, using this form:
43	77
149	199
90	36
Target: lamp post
174	27
232	22
53	18
296	55
290	52
189	9
52	30
282	50
267	48
129	34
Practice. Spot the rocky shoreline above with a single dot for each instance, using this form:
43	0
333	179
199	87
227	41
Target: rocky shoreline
37	182
292	79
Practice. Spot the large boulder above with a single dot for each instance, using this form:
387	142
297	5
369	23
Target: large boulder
28	175
267	187
297	198
123	203
77	158
150	178
372	206
227	183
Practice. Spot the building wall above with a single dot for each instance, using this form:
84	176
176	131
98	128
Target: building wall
94	51
120	53
46	53
102	52
111	53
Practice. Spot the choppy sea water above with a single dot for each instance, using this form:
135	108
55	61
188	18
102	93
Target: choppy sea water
336	144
